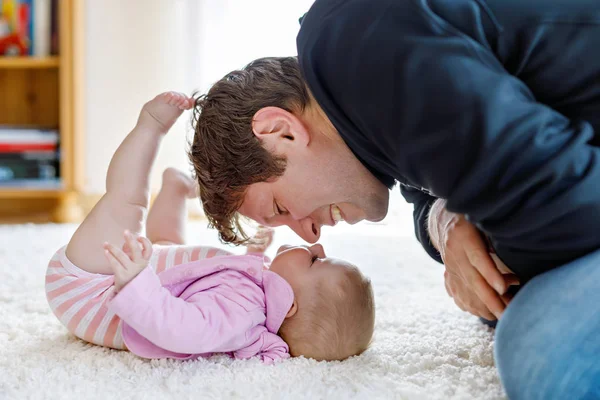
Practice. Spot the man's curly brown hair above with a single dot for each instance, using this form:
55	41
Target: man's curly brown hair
226	155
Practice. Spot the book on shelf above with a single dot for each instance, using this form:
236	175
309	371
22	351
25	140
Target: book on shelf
28	27
28	184
29	157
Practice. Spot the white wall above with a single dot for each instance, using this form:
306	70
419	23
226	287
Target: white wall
232	33
134	51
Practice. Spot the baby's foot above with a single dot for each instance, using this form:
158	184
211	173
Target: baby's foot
161	112
175	180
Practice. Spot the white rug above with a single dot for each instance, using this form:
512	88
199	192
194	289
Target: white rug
425	347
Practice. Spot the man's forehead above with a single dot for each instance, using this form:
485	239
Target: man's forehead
257	204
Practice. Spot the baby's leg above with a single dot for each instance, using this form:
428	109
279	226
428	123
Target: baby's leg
124	205
168	214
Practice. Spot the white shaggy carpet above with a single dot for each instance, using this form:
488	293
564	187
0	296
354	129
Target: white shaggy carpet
425	347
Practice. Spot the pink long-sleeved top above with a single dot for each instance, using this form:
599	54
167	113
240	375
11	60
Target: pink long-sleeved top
227	304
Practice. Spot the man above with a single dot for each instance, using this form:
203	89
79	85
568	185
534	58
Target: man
485	112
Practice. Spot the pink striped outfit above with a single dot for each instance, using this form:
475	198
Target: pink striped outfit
79	298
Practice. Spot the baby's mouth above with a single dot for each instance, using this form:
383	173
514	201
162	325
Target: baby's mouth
336	214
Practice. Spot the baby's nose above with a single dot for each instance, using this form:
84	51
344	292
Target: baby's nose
317	250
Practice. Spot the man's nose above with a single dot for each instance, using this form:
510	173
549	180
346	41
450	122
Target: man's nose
306	228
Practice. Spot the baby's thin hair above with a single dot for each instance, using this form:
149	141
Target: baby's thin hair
334	321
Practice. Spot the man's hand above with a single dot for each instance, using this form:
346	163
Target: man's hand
129	262
472	278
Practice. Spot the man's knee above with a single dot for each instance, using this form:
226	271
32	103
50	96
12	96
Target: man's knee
547	343
518	360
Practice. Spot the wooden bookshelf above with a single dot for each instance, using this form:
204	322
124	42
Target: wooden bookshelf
29	62
47	91
33	193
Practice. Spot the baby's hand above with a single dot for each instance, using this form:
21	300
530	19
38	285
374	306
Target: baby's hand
127	265
262	240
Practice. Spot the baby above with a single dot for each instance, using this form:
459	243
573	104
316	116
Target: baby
158	298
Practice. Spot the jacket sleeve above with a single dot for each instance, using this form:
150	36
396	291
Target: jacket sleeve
452	120
171	323
268	346
421	202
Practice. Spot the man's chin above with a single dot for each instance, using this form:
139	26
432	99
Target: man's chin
378	219
356	215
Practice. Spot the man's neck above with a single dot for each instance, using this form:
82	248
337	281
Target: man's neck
318	122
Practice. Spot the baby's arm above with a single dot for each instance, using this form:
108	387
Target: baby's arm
197	325
193	326
268	346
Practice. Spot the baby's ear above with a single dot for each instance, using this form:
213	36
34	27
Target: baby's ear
293	309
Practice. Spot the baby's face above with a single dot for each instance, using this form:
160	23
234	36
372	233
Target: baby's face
305	265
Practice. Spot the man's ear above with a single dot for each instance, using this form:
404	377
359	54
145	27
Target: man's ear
293	309
279	129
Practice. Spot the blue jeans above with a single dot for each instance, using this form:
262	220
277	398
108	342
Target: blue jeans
548	340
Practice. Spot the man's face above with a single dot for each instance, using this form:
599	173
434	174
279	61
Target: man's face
323	184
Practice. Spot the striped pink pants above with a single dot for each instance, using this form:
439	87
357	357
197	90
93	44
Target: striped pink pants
78	298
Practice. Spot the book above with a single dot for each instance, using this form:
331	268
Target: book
45	155
48	184
42	27
19	147
28	135
54	42
15	27
28	157
29	169
25	23
21	140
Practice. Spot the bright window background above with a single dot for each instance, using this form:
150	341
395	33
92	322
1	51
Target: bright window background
230	33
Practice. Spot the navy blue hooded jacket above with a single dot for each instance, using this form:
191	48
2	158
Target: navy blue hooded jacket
493	105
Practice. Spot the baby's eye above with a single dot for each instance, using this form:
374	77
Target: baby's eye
314	258
280	210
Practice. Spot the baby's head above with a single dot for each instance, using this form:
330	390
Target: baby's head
333	314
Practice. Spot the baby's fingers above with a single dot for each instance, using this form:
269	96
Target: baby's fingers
118	255
114	263
146	247
136	251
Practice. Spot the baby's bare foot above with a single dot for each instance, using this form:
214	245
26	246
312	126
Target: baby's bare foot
175	180
161	112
